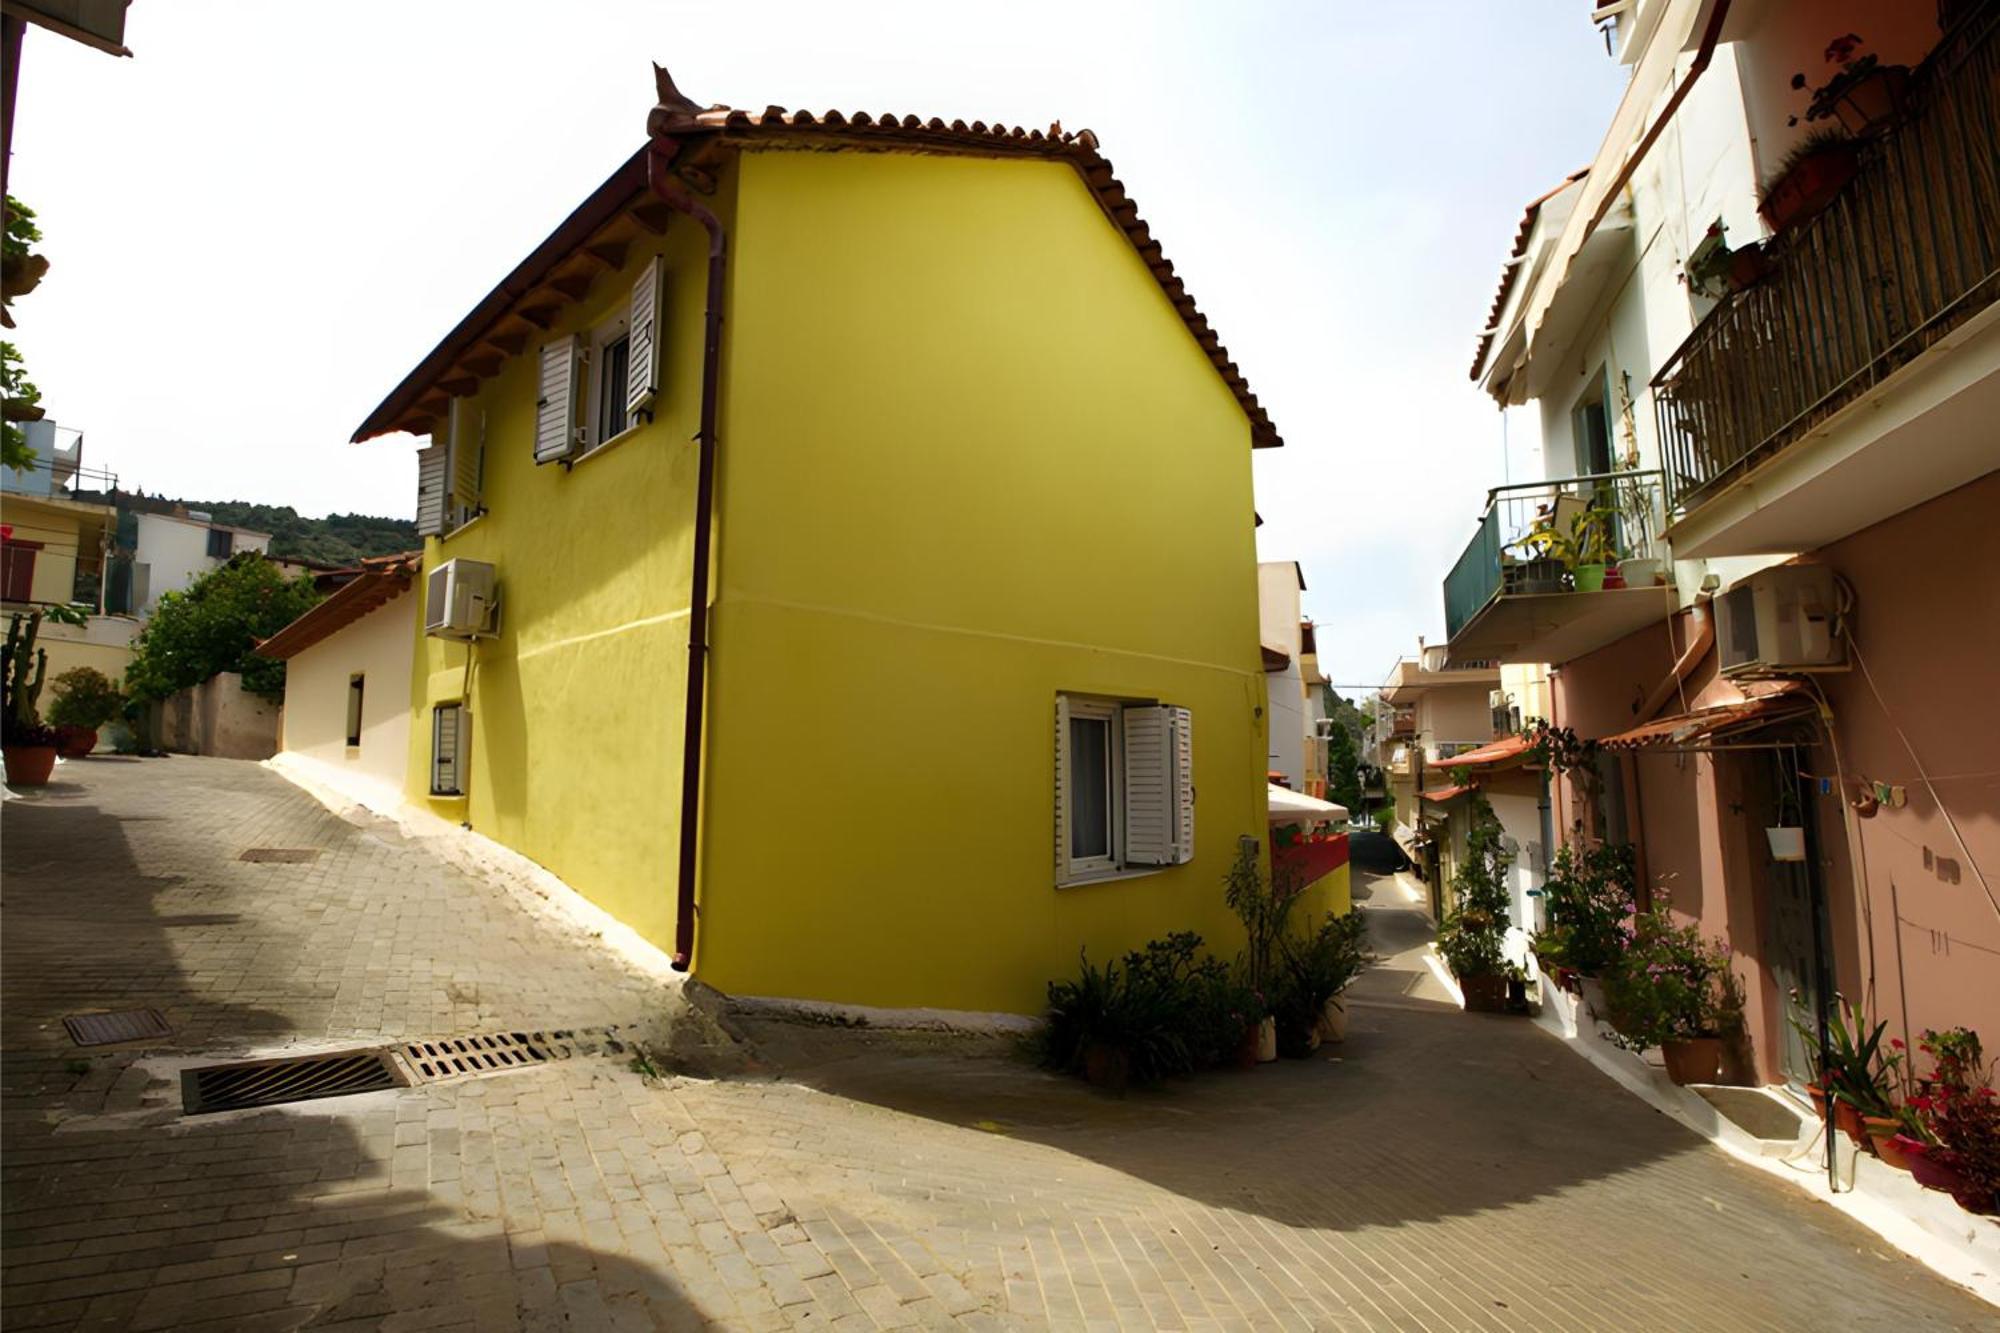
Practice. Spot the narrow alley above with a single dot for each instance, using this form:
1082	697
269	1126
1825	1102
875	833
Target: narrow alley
1439	1170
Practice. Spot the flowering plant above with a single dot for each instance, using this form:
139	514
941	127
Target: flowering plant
1959	1113
1671	985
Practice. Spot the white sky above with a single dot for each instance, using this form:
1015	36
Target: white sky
266	218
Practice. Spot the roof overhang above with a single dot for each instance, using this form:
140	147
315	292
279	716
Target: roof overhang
379	583
1760	705
698	142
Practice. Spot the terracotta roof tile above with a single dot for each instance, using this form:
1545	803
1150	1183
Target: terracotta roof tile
700	128
1766	702
380	580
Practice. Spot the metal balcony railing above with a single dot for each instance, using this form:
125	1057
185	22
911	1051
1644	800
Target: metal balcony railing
1908	251
1630	506
58	477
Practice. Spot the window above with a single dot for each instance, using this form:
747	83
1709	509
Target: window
448	745
221	542
1124	787
354	710
610	369
17	570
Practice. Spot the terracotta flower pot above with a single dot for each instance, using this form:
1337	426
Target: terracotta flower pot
30	765
1484	995
1883	1131
1875	102
1693	1060
77	742
1108	1066
1809	187
1246	1049
1929	1171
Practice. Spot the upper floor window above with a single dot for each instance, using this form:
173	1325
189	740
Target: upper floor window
221	543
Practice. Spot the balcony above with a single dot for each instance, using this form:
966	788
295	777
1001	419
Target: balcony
1520	592
1831	379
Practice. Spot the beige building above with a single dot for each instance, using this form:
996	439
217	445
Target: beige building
346	720
53	552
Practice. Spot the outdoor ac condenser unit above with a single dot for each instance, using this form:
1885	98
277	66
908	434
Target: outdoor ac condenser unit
462	601
1778	621
1497	699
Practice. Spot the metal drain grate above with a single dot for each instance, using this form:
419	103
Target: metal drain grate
272	1082
282	854
110	1029
488	1053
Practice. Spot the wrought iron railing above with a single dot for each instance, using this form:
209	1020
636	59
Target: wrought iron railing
1629	506
1908	251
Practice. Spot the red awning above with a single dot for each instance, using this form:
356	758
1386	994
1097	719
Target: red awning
1439	795
1503	753
1767	702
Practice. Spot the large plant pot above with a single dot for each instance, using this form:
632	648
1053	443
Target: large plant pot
1267	1041
1747	267
1929	1171
1809	187
1592	991
1589	578
1108	1066
1883	1132
1484	995
1544	575
1693	1060
1641	571
1246	1049
30	765
1333	1021
77	742
1874	103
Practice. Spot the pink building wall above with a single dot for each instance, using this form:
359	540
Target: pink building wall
1915	939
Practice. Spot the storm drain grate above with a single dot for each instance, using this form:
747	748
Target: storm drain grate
281	854
487	1053
272	1082
112	1028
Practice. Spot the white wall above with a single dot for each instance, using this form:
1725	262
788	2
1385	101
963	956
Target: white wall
174	552
379	647
1278	629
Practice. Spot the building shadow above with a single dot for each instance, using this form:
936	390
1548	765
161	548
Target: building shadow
118	1211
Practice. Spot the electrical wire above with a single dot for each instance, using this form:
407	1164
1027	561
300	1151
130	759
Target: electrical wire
1924	776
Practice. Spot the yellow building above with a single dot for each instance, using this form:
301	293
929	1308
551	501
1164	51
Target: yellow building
964	481
53	553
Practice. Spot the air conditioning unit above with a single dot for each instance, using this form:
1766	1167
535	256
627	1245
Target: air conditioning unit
1498	698
462	601
1780	620
1323	728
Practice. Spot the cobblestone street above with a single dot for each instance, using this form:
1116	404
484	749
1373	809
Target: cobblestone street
1438	1171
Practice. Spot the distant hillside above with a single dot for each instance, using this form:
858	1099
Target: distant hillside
337	539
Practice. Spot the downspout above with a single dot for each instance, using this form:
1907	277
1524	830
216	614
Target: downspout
1697	648
669	191
1709	37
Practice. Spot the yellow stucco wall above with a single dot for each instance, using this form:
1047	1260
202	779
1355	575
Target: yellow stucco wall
576	707
314	725
971	458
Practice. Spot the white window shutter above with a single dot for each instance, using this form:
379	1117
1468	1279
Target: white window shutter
648	301
1183	748
1149	785
431	489
556	429
464	429
1062	789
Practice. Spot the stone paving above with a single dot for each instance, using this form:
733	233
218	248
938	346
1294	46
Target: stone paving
1438	1171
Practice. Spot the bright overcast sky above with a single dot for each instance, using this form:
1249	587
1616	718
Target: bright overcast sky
261	222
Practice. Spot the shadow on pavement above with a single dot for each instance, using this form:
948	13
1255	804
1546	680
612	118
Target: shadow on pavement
116	1212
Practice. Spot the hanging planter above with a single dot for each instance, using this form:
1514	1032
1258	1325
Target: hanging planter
1788	842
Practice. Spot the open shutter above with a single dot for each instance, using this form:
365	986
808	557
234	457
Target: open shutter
463	442
1149	785
556	431
430	489
643	376
1183	748
1062	789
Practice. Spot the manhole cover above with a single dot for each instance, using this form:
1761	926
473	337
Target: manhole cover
286	854
121	1025
489	1053
271	1082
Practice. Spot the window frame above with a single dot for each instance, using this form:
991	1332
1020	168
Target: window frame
597	363
1077	870
462	738
356	703
227	542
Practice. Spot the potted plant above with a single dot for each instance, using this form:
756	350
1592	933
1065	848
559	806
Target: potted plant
1589	549
1808	177
1675	991
1958	1112
29	746
1589	893
1856	1071
1474	934
1864	95
1317	968
84	699
1538	568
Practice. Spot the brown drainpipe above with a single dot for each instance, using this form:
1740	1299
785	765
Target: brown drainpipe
1699	642
669	191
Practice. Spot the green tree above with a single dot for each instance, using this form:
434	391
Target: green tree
214	626
22	403
1343	763
1475	931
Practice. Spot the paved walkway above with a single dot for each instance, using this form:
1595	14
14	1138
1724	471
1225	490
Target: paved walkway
1441	1171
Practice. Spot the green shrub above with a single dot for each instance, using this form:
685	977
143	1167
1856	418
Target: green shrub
1671	985
1169	1010
1589	895
1314	969
84	697
1471	942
